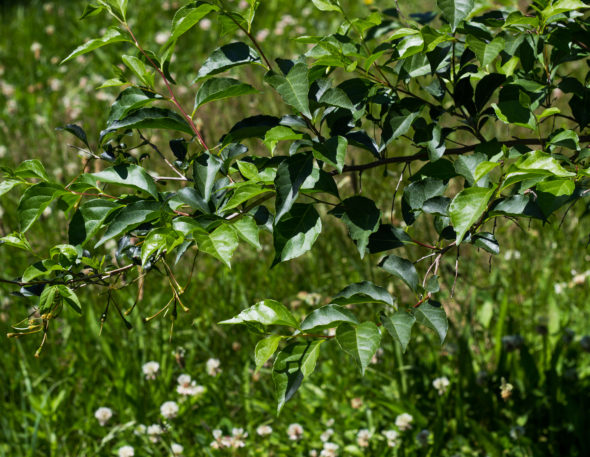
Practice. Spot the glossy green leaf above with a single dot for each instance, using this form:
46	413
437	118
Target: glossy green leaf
9	184
139	69
329	316
70	298
89	218
149	118
292	365
363	292
467	207
296	233
332	151
293	88
265	348
326	5
47	300
31	169
130	217
362	217
291	174
205	169
129	100
454	11
221	88
557	187
360	341
42	268
159	241
128	176
221	243
399	326
402	268
434	318
34	201
242	192
16	240
247	229
226	57
485	52
112	35
534	164
266	312
188	16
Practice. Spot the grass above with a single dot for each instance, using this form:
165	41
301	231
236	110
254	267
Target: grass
48	404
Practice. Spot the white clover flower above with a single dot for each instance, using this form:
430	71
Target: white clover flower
441	384
558	287
330	422
177	449
313	453
184	379
36	49
391	436
362	437
140	430
150	369
295	432
404	421
213	367
217	433
126	451
50	30
154	431
103	414
169	409
327	435
329	450
356	402
264	430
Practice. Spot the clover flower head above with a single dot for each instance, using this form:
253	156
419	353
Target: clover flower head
169	409
295	432
150	369
441	384
103	414
404	421
126	451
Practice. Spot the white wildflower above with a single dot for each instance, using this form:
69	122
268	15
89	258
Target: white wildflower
441	384
362	437
559	287
391	436
154	431
162	37
329	450
36	49
404	421
140	430
177	449
126	451
50	30
103	414
205	24
213	367
295	432
169	409
327	435
150	369
238	438
264	430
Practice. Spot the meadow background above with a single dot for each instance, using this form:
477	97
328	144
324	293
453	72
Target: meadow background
519	321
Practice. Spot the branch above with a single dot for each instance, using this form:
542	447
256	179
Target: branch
452	151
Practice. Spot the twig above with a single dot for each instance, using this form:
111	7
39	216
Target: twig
155	148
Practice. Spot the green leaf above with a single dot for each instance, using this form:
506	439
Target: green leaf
397	125
332	151
454	11
292	365
434	318
265	348
296	233
31	169
485	52
131	217
128	176
70	298
360	341
221	88
221	243
112	35
41	268
187	17
363	292
205	169
89	218
149	118
16	240
140	70
47	300
242	192
158	241
34	201
266	312
293	88
226	57
291	174
487	241
8	184
402	268
247	229
535	164
280	133
557	187
467	207
191	197
327	5
362	217
562	6
399	326
130	100
328	316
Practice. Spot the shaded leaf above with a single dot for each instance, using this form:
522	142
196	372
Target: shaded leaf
360	341
399	326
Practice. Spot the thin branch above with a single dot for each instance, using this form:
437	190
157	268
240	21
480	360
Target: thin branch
162	156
